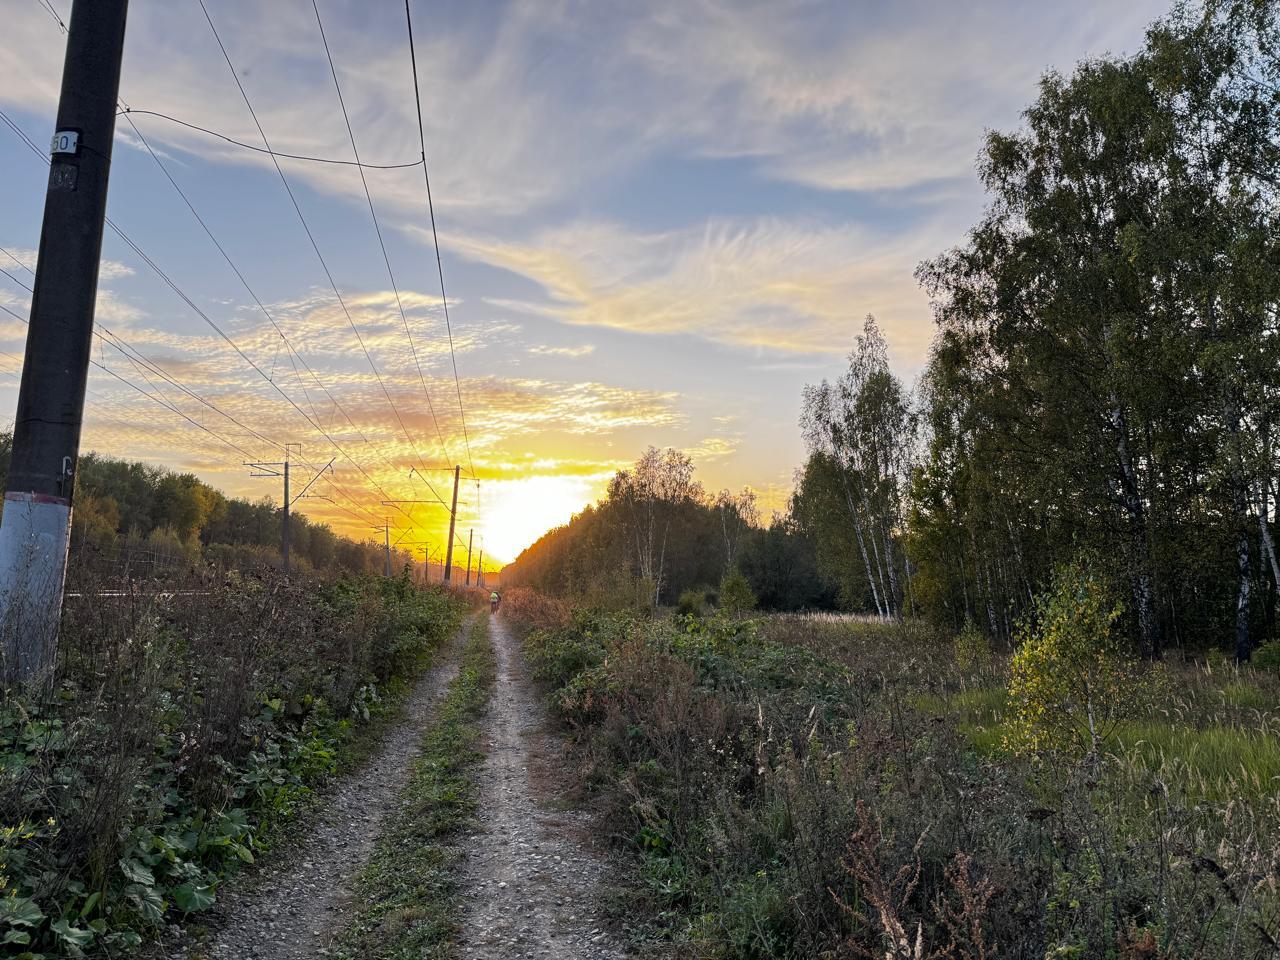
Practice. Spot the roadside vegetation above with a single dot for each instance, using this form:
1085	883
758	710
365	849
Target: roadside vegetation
408	893
183	730
1036	715
802	787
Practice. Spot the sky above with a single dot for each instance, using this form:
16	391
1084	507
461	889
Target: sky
657	222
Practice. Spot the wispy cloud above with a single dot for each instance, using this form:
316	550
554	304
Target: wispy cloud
580	351
540	117
839	96
715	448
768	283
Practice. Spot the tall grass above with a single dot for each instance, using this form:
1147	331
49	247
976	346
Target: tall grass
183	729
809	787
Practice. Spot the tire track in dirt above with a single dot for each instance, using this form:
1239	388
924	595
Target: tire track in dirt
533	872
289	909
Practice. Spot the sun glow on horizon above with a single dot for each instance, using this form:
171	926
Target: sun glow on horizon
518	512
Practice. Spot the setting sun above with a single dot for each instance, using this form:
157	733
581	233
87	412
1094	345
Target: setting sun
518	512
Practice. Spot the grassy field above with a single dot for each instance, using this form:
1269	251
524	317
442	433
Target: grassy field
801	787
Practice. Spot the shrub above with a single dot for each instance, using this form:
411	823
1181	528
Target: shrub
185	728
692	603
534	611
973	649
735	593
1069	684
801	787
1267	656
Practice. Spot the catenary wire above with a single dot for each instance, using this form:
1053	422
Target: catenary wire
169	281
377	227
134	111
314	245
426	176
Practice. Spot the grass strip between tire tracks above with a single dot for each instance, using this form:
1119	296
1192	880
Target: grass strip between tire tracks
407	894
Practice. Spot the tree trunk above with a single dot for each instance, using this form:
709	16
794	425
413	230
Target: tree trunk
895	591
1243	647
1144	601
875	552
1240	504
862	546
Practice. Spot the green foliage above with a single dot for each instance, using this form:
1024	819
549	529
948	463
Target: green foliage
148	521
1267	657
1069	684
692	603
765	773
973	649
657	536
1104	372
860	432
736	597
185	731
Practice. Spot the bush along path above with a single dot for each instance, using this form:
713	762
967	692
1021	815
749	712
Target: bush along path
406	896
289	908
532	877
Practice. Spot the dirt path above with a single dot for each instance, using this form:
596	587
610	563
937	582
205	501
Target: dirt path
532	876
288	909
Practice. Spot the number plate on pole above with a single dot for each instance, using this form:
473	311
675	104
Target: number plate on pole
65	141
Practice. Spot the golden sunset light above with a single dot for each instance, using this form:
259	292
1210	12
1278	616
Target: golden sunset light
735	479
517	512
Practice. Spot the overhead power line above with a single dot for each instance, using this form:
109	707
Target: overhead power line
137	357
169	281
444	299
159	398
147	368
377	227
294	355
133	111
311	237
130	353
172	409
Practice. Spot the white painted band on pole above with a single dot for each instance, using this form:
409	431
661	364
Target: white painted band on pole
35	534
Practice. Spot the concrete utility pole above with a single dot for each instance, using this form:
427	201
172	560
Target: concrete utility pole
471	534
284	527
280	468
386	539
453	519
36	526
480	568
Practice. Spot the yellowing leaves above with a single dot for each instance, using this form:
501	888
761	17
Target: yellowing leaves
1069	681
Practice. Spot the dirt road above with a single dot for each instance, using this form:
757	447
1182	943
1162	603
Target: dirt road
533	876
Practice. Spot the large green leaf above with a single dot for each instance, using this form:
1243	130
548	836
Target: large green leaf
74	938
137	872
192	897
20	912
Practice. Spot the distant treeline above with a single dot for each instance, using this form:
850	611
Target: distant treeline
1104	383
657	535
155	520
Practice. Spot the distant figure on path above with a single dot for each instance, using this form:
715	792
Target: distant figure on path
493	602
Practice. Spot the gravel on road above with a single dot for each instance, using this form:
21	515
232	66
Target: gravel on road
534	871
